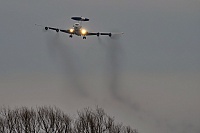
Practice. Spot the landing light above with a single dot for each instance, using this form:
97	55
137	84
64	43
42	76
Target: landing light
83	31
71	30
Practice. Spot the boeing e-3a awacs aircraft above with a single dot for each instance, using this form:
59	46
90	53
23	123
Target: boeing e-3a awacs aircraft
79	30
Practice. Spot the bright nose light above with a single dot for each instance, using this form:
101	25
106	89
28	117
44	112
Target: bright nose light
83	31
71	30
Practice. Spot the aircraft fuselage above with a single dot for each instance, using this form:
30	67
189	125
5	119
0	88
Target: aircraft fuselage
77	29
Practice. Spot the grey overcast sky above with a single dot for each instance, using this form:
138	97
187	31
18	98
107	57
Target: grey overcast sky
148	79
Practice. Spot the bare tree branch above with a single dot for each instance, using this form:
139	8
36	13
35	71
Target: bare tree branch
53	120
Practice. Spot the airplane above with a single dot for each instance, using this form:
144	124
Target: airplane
78	30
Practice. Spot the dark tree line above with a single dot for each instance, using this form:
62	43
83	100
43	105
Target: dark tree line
53	120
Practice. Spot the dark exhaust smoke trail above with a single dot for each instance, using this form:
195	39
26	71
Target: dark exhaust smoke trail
61	53
115	52
114	61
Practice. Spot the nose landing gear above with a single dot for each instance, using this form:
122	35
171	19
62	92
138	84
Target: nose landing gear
84	37
70	36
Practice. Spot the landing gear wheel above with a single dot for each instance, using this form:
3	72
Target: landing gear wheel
46	28
84	37
57	30
70	36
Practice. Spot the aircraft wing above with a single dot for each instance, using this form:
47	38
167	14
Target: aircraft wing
57	30
65	31
103	33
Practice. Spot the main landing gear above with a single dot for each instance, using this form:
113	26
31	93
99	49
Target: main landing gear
84	37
